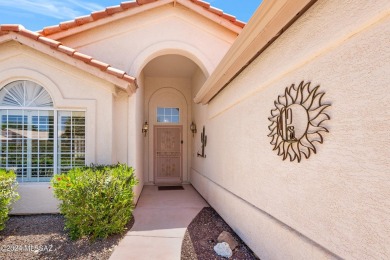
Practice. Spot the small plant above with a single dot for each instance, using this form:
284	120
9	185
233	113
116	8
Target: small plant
8	194
96	201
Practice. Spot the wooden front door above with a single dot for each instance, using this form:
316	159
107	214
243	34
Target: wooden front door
168	154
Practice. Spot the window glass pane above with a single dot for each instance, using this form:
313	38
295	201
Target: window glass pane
34	160
46	160
79	131
175	111
160	111
64	145
21	173
168	115
27	143
175	119
160	119
79	160
46	146
65	159
3	161
71	140
34	172
46	172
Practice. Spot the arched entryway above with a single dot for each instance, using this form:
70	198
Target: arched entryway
169	82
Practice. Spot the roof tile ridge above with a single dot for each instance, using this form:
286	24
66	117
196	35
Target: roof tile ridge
123	6
11	27
219	12
56	45
93	16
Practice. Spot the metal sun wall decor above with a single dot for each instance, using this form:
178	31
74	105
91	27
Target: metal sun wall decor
297	121
203	139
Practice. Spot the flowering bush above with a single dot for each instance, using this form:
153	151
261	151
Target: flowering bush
8	194
96	201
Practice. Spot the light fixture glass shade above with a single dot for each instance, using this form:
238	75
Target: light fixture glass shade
193	128
145	128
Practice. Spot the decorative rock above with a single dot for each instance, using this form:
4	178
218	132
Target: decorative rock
228	238
223	249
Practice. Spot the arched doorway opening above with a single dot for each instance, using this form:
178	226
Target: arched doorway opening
170	83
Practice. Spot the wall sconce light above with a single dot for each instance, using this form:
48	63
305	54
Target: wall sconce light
145	128
193	128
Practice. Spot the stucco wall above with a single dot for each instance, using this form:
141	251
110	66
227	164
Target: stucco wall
199	116
135	143
120	136
336	204
69	88
130	43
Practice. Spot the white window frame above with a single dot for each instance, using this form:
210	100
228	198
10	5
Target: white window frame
56	132
55	123
56	111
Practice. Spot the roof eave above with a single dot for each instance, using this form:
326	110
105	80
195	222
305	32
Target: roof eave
270	20
101	21
214	17
129	84
99	18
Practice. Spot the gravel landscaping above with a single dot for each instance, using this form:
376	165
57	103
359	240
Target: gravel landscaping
43	237
202	234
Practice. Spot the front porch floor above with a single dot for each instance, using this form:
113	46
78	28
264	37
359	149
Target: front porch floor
161	219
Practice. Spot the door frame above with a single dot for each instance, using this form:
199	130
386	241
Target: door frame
156	182
171	97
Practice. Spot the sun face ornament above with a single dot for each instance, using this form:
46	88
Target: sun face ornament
297	121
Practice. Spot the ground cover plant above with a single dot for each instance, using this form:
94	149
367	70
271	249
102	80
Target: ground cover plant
8	194
96	201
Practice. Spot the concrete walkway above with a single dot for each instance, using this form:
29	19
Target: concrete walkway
161	219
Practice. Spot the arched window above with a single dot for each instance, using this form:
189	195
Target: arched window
23	93
38	140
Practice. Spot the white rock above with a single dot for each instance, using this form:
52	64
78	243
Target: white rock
223	249
228	238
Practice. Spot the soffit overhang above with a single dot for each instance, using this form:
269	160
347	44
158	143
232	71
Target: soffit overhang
270	20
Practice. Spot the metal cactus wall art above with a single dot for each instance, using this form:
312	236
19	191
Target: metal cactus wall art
203	139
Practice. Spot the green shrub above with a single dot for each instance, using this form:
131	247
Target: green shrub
96	201
8	194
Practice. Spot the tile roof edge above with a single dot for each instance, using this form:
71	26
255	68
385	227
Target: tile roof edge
124	6
60	48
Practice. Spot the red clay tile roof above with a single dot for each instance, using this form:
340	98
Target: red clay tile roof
109	11
58	46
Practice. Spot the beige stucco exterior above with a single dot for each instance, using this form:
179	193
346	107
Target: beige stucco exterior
137	40
332	205
69	89
336	203
132	42
114	117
